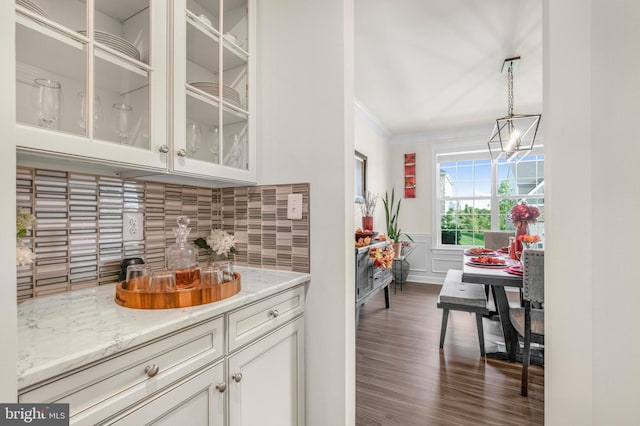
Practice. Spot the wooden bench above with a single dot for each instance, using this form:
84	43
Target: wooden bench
458	296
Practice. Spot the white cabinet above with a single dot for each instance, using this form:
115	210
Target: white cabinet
212	105
91	80
189	376
266	361
114	384
266	380
161	86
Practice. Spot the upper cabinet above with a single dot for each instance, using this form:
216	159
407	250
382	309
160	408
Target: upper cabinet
91	80
213	85
157	85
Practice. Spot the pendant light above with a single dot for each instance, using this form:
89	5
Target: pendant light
515	132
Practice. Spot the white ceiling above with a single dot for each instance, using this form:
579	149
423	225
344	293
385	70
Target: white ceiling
427	65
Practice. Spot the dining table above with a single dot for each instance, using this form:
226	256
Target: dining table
498	280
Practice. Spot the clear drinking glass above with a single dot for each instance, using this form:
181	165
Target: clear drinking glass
122	121
137	277
214	148
210	276
162	281
97	111
225	267
48	99
194	137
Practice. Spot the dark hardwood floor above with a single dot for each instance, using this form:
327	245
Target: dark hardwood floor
404	379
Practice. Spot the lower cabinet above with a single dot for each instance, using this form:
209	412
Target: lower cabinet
245	367
196	401
266	380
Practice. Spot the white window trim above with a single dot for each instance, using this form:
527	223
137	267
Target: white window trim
459	149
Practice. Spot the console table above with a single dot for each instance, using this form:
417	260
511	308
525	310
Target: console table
370	279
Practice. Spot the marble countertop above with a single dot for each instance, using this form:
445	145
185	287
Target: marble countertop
61	332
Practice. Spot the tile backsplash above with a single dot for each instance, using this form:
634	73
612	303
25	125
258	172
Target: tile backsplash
78	239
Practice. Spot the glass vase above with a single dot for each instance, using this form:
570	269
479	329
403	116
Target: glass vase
215	257
367	223
521	229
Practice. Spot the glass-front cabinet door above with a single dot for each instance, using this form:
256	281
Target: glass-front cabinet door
212	105
91	80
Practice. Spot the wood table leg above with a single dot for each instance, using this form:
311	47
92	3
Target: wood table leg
502	305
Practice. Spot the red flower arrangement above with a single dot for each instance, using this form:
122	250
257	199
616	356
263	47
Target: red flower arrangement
522	212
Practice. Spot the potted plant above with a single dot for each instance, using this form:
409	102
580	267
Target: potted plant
394	233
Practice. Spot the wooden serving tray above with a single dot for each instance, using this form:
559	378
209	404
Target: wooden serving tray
179	298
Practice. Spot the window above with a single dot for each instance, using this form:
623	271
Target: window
476	195
360	177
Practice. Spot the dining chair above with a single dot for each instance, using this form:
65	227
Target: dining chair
494	240
529	319
497	239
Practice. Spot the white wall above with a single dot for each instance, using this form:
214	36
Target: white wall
8	334
568	307
416	213
305	134
371	139
592	94
615	92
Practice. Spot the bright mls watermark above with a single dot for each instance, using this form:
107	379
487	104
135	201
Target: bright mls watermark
34	414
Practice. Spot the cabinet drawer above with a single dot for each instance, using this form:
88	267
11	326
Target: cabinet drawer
195	401
105	388
256	320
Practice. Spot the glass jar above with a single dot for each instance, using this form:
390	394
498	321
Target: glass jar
182	257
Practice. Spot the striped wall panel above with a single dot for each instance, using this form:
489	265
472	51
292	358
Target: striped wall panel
78	237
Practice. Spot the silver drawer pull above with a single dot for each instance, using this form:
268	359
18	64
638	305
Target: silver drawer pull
274	313
182	153
151	370
163	149
221	387
237	377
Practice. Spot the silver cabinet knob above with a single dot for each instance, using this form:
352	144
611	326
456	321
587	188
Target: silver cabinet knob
182	153
274	313
163	149
151	370
221	387
237	377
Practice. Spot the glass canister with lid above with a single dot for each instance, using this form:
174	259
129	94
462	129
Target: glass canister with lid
183	256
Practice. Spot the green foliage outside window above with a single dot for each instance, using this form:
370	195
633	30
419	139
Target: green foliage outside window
466	226
505	205
450	232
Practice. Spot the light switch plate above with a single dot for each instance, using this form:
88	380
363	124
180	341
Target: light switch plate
294	206
133	227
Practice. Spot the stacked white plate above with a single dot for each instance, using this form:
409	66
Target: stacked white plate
29	5
229	94
116	43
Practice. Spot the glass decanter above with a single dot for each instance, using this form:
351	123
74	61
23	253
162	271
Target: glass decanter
182	256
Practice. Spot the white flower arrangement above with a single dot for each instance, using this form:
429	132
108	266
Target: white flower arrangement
219	242
24	256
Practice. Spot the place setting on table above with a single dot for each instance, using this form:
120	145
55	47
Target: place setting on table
500	259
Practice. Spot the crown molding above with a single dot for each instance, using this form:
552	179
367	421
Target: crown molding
372	120
456	134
